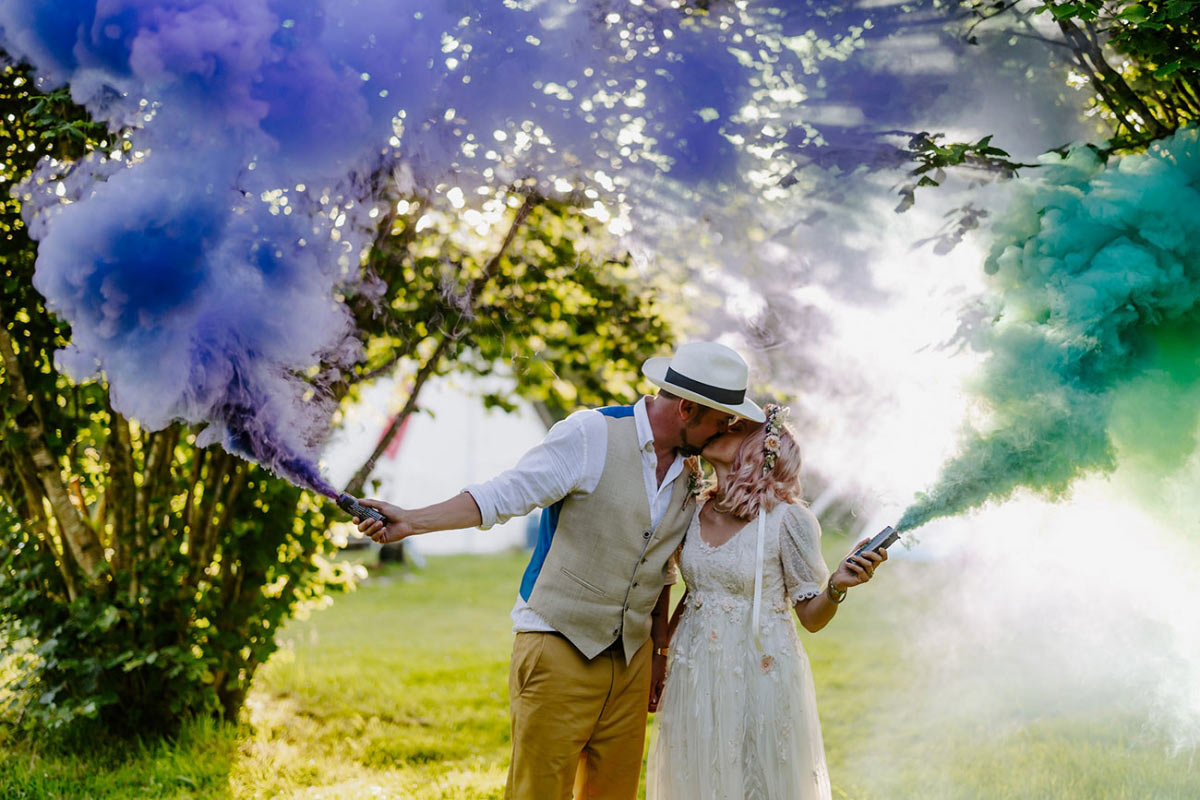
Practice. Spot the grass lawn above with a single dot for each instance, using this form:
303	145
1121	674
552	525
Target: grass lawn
399	690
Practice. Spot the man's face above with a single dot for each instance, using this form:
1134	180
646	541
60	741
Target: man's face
704	426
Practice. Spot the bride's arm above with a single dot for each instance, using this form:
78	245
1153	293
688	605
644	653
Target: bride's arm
815	612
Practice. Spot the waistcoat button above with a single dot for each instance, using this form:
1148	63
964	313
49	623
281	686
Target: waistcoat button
646	534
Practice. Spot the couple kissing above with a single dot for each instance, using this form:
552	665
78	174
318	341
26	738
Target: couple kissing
596	647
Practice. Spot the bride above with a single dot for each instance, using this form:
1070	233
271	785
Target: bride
738	716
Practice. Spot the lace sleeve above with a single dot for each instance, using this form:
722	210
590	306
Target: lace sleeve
804	570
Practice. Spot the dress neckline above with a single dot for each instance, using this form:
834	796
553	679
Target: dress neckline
700	535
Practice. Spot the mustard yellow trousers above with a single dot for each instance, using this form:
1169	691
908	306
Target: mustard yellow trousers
578	726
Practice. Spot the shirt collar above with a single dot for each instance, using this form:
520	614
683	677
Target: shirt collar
642	420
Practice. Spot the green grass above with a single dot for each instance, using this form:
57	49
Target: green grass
399	690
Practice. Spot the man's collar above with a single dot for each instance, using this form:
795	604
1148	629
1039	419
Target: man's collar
641	419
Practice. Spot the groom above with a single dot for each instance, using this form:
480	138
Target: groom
590	619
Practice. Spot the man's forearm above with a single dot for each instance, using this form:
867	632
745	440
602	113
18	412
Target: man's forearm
458	512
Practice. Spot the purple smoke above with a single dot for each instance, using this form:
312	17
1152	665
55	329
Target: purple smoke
201	270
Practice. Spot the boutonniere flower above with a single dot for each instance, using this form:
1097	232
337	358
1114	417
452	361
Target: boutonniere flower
695	476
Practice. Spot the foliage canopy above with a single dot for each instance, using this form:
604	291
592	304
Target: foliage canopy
142	578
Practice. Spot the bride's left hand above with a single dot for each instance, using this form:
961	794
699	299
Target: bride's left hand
856	570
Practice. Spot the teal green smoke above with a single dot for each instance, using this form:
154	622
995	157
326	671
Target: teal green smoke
1094	353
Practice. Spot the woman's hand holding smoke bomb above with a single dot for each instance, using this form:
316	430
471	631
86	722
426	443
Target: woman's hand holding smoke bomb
398	526
856	570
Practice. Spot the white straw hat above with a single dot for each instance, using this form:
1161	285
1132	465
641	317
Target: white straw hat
707	373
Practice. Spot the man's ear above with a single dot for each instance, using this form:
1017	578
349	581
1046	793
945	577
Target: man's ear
689	410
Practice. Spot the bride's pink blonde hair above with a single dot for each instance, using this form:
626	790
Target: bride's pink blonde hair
747	489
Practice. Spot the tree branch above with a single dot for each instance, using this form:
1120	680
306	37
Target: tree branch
429	368
382	369
157	466
214	486
1043	39
84	543
119	493
193	538
27	475
1088	45
1189	97
237	482
982	18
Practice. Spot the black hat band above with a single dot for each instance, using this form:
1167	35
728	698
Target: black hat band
729	397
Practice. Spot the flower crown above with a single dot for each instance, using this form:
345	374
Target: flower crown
776	416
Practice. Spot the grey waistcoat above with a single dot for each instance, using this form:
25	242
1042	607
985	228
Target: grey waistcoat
606	566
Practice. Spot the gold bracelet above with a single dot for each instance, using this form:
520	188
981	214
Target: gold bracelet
661	651
836	595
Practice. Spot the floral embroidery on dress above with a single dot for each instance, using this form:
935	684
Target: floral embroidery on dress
736	722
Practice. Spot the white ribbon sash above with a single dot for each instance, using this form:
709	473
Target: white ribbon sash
758	574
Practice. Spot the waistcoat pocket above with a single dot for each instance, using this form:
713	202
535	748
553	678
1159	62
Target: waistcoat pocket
585	584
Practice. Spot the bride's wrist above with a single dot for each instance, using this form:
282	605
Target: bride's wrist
835	593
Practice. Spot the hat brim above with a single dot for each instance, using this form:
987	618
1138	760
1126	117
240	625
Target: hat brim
655	370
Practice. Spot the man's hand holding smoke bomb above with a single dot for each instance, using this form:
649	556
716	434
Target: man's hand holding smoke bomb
398	526
457	513
855	570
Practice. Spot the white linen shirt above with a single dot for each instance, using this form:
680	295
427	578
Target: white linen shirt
569	461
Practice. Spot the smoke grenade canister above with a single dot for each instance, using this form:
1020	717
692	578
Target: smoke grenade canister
882	541
350	504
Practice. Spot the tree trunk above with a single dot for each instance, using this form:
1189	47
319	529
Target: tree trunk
544	413
193	535
27	475
83	541
120	497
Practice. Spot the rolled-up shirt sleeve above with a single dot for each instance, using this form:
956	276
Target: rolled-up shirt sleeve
544	475
671	572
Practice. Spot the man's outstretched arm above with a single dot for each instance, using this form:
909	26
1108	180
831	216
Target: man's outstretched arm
459	511
543	476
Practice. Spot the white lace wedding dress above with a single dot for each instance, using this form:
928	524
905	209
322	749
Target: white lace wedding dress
737	723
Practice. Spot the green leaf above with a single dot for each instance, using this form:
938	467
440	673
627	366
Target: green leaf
1134	13
1166	70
